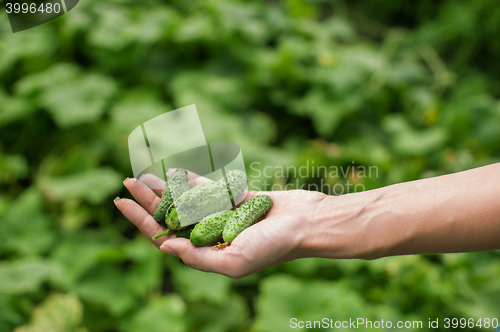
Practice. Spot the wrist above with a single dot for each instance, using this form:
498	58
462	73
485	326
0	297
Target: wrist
347	226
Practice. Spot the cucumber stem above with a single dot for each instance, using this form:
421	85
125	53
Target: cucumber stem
161	234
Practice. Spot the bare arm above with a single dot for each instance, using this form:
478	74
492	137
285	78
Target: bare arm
453	213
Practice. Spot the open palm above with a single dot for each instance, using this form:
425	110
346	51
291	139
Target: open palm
271	241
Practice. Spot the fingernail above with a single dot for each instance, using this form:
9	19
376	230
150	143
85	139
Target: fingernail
141	184
125	180
168	250
116	199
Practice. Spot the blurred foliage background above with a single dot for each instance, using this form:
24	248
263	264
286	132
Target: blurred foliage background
410	87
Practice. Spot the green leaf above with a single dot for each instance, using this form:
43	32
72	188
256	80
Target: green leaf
76	255
146	271
13	109
165	314
228	316
118	27
11	316
25	228
112	30
284	297
4	203
408	141
24	46
104	284
306	267
58	313
93	185
69	95
195	28
135	108
81	101
196	285
243	18
301	8
24	276
13	167
325	110
55	75
226	91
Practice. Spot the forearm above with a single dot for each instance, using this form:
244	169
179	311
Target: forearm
454	213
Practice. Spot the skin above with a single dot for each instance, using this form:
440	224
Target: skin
447	214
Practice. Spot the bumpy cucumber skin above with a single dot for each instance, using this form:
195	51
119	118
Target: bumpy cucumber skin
248	213
206	199
162	208
209	229
185	232
177	184
236	183
198	203
172	220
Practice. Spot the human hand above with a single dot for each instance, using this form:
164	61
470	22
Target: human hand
277	238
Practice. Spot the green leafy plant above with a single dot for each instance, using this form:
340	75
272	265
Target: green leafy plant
409	87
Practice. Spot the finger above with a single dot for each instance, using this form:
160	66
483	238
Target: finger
194	179
152	181
201	258
155	183
251	251
253	193
278	199
141	219
234	261
142	194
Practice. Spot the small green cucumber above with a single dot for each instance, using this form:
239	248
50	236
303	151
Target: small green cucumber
172	220
247	214
185	232
205	199
209	229
177	184
197	203
165	202
236	183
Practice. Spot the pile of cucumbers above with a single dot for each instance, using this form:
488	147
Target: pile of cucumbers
207	210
